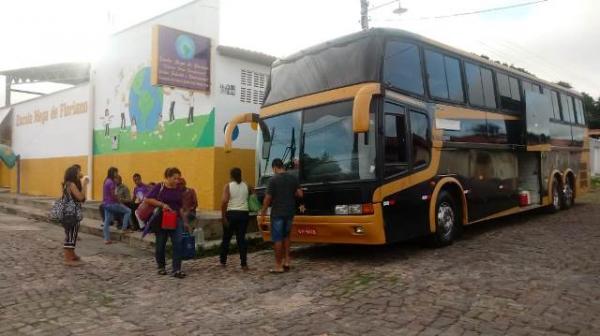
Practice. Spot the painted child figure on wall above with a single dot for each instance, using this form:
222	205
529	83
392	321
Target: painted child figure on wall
106	119
160	129
133	128
190	99
167	92
125	107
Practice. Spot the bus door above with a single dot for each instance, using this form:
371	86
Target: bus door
406	149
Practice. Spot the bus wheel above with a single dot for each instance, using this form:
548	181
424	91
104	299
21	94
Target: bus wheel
568	194
446	220
556	204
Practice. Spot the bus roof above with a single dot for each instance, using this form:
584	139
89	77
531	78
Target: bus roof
390	32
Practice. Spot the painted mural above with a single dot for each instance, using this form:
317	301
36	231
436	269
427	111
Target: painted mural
144	117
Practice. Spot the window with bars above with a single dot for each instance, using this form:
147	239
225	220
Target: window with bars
252	88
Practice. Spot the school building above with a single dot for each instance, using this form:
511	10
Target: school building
160	97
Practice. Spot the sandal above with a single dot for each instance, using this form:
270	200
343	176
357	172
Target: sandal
286	268
274	271
162	271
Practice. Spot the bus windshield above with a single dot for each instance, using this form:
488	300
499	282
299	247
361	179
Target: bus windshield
340	65
319	146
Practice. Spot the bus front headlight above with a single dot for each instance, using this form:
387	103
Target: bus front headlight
341	209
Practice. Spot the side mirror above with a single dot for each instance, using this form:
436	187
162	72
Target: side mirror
243	119
362	107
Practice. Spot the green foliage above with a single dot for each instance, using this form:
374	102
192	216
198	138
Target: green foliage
595	182
592	110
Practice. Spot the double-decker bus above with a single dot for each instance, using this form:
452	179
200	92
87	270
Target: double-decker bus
395	136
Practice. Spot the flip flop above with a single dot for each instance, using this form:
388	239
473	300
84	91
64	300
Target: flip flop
274	271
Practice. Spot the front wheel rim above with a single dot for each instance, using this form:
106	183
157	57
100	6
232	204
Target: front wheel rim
446	219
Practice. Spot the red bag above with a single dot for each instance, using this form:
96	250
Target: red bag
144	211
169	220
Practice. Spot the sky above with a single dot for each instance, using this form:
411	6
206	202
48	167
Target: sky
555	40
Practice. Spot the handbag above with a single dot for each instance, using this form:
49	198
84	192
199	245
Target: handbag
145	209
65	209
169	220
188	242
254	204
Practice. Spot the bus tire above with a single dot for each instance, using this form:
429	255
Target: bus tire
568	194
447	220
556	198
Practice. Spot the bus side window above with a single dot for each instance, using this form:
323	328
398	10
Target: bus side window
419	127
510	97
579	110
396	158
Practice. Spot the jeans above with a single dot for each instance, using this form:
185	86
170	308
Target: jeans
177	241
109	211
238	224
281	227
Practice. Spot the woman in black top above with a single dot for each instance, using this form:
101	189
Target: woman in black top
73	186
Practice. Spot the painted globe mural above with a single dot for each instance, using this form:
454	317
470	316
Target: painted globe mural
145	101
185	46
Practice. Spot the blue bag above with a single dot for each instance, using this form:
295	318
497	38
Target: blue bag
189	246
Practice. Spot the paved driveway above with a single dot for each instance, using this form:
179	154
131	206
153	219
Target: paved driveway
533	274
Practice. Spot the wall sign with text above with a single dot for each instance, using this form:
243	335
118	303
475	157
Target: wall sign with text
180	59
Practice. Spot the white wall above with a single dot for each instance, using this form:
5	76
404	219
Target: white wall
228	106
52	126
130	50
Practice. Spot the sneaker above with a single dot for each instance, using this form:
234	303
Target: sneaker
179	275
162	271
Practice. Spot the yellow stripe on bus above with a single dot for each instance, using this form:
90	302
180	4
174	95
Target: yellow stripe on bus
348	92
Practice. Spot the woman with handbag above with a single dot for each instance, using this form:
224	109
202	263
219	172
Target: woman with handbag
235	216
168	221
73	191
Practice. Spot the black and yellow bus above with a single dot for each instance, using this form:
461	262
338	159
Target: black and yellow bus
395	136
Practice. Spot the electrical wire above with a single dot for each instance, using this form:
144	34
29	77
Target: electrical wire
470	13
383	5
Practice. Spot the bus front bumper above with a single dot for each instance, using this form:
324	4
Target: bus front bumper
358	229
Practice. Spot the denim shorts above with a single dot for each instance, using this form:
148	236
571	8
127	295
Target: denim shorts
280	227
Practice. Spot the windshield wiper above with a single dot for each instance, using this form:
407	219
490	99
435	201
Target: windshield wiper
290	149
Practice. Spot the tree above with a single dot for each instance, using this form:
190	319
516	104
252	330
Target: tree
592	110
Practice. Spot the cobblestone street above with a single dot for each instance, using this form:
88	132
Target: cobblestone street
533	274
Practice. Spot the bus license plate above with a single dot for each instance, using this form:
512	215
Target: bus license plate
306	231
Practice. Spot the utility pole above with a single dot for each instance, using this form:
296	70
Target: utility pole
8	90
364	14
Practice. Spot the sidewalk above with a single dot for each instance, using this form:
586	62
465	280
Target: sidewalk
38	207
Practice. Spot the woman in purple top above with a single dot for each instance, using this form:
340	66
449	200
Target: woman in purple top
169	196
111	204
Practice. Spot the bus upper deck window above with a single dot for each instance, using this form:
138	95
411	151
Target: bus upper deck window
402	67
